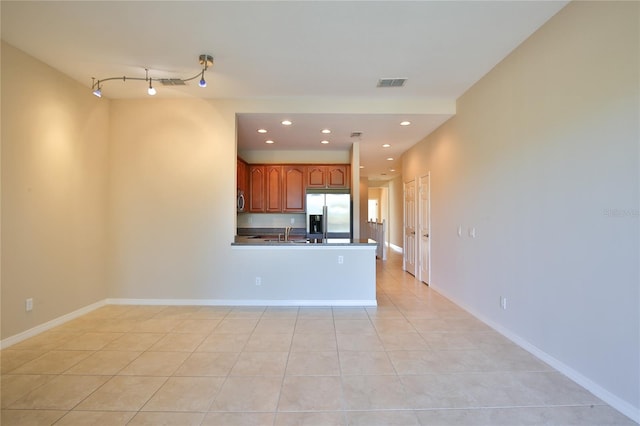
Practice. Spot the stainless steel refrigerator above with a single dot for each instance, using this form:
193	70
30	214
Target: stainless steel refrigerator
334	207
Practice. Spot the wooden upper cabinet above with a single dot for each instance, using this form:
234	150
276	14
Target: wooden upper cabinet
293	189
241	178
257	190
328	176
316	176
277	188
274	188
338	176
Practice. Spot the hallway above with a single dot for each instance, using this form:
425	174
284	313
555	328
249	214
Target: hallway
416	359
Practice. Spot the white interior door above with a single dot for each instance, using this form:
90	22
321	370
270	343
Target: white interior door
409	258
424	226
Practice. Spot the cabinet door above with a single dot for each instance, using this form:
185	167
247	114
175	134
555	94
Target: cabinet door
241	178
316	176
293	188
338	176
274	189
257	189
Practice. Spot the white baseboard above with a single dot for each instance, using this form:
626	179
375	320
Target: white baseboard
240	302
12	340
619	404
395	248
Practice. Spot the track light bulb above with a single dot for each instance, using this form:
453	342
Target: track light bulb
151	91
202	82
97	92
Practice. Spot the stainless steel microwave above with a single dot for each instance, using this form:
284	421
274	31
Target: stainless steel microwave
240	202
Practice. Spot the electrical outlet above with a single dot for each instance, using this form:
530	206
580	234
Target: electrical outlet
293	220
28	305
340	260
258	280
503	303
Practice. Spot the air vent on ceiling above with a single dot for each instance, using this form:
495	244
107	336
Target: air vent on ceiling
356	134
391	82
172	82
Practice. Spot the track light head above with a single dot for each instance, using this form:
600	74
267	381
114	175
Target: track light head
95	86
202	82
151	90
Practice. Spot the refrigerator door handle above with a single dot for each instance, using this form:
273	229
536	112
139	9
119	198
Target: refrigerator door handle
324	221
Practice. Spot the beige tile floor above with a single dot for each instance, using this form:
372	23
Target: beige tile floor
416	359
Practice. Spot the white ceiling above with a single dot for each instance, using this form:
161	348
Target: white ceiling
287	49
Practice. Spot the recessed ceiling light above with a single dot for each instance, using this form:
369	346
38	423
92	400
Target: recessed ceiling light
386	145
390	159
362	167
324	142
287	122
392	170
262	130
405	123
326	131
269	141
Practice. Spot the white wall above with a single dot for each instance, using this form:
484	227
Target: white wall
542	159
54	193
303	275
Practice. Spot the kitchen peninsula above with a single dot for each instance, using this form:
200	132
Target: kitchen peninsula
281	260
334	272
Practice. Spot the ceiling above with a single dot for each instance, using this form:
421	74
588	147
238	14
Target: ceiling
302	50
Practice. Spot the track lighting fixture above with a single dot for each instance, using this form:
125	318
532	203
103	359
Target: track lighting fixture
205	60
96	89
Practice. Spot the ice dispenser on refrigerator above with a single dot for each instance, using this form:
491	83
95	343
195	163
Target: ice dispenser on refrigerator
315	224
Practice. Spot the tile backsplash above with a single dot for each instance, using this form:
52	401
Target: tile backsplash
271	220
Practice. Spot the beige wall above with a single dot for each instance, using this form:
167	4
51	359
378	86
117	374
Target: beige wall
301	157
375	193
54	193
542	159
172	193
364	207
396	212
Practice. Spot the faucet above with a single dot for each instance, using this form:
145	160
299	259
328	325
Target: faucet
287	231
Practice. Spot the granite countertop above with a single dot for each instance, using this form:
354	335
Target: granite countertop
295	241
